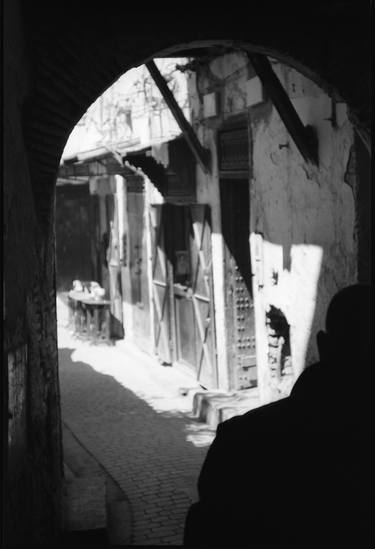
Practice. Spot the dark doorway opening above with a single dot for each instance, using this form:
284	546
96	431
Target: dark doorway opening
72	235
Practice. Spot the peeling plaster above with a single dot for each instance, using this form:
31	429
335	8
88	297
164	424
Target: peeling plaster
291	209
305	213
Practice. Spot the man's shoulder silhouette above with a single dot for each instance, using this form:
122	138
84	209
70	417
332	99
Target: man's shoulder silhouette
268	417
281	415
299	470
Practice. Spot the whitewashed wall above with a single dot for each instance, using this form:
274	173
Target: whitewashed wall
306	216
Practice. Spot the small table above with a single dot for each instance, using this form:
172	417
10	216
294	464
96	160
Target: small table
90	316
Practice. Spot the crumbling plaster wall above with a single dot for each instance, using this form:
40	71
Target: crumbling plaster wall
30	385
305	215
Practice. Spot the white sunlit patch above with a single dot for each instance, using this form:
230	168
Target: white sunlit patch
199	434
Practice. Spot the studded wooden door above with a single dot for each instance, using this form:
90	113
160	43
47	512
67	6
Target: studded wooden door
161	284
235	199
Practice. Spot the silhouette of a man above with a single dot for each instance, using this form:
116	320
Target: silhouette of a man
299	471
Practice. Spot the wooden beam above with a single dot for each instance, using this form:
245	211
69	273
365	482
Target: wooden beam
365	138
115	155
284	107
201	154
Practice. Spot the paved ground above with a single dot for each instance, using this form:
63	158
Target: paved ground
127	411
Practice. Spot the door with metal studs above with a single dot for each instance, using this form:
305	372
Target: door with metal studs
239	296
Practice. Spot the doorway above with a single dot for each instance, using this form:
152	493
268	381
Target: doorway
180	241
234	170
183	289
114	266
239	296
72	235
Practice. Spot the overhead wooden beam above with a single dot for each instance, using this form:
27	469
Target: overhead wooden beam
201	154
115	155
71	181
285	108
365	138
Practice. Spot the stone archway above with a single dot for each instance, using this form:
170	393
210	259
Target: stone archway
60	58
79	53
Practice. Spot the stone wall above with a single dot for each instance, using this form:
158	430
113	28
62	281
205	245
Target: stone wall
33	460
306	219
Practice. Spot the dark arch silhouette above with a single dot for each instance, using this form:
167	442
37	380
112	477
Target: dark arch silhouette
80	49
73	51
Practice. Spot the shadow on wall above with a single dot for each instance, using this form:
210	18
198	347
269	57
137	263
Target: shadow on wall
296	297
285	269
313	228
289	298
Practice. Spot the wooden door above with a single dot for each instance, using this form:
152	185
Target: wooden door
95	239
136	230
139	290
235	207
178	229
161	284
202	295
114	268
182	289
192	313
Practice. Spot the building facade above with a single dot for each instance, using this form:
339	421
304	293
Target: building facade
285	234
228	272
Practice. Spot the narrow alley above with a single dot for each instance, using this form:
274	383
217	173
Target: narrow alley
126	411
184	198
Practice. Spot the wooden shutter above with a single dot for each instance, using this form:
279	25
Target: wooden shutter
113	257
160	284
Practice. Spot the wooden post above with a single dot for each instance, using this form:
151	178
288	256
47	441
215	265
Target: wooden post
284	107
200	153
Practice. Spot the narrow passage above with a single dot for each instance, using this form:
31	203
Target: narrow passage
126	410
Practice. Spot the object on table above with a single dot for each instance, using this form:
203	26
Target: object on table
77	286
96	290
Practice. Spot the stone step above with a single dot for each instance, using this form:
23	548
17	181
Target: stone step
84	538
84	504
118	524
213	407
78	461
96	510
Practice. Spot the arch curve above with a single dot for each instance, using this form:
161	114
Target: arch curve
77	58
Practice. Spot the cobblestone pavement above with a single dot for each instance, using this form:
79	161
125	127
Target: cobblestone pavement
126	410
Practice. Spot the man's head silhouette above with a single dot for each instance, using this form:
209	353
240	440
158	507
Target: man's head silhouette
347	339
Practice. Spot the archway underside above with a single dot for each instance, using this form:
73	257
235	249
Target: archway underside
76	58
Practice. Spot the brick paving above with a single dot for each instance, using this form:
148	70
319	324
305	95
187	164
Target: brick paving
126	410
